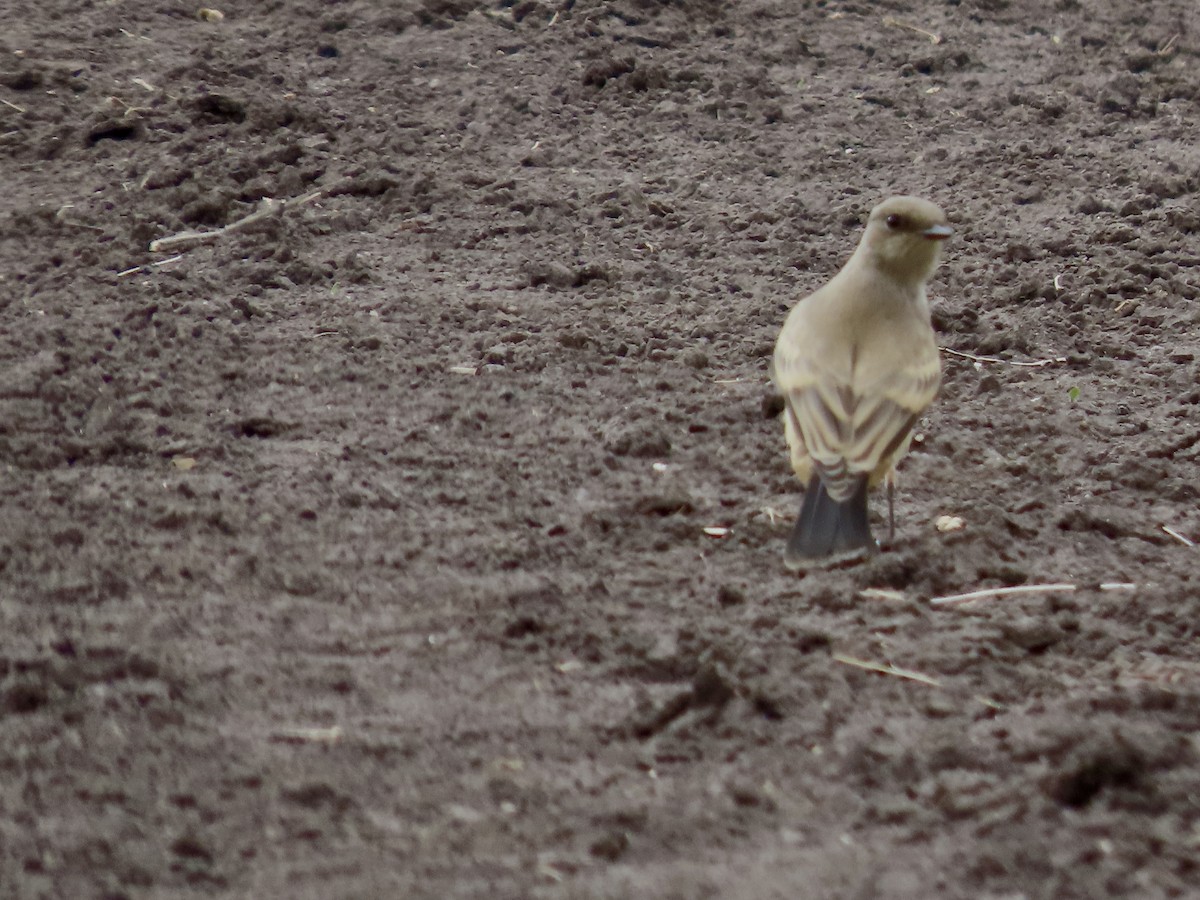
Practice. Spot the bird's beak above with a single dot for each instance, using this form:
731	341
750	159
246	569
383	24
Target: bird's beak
937	232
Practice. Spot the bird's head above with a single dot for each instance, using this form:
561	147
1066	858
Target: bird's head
904	237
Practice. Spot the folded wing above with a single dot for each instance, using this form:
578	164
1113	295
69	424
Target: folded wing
849	430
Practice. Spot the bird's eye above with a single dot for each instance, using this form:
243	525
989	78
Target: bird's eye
894	221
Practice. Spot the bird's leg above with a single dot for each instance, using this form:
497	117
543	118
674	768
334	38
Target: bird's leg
891	512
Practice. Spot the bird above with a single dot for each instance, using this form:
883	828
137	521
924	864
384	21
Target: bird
856	364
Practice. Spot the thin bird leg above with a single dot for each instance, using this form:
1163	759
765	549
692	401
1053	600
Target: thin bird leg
891	511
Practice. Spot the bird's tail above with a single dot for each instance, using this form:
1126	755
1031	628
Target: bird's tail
828	530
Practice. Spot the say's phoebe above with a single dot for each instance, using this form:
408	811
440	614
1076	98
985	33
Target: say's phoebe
856	364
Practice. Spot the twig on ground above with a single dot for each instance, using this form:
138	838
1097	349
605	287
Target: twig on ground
10	105
989	593
61	216
882	594
1183	539
154	265
886	669
773	515
1033	364
308	735
896	23
129	109
907	674
548	871
267	207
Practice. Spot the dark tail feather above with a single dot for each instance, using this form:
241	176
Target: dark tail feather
827	529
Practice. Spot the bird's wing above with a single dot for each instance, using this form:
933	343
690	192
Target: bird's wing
884	414
820	413
848	433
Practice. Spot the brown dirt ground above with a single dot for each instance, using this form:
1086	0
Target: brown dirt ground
402	631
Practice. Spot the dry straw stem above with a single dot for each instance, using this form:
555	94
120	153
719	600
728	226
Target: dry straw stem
308	735
267	207
990	593
886	670
773	515
907	674
1033	364
882	594
896	23
61	216
159	264
1183	539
